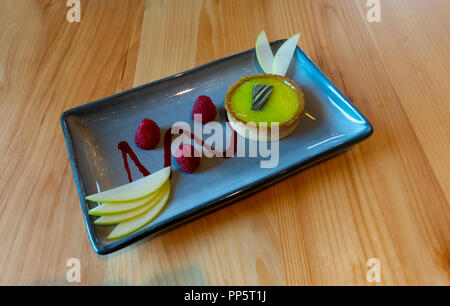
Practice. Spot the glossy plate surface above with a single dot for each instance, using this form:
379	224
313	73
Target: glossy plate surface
93	131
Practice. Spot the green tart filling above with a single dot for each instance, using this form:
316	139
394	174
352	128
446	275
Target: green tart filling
281	106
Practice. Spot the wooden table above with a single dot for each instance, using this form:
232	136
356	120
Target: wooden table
388	198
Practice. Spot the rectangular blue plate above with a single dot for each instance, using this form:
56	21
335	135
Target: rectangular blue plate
92	132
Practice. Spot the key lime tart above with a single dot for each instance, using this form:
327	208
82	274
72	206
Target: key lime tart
267	100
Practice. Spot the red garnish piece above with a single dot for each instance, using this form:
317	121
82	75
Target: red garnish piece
126	149
147	134
186	159
205	107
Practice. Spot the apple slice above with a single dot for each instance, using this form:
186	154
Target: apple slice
133	191
107	209
133	225
264	53
118	218
284	55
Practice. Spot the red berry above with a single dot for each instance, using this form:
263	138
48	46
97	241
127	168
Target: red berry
205	107
186	159
147	134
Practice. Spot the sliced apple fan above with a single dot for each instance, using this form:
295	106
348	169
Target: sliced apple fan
133	205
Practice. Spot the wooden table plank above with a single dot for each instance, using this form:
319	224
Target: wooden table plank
418	69
48	66
388	198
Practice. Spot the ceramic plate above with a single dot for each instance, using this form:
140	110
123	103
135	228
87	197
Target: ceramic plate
329	125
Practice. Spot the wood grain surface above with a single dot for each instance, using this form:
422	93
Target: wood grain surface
388	198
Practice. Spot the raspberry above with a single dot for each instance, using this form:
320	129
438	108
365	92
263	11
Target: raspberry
186	159
205	107
147	134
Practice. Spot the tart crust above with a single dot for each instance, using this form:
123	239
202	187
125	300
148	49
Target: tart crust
251	131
